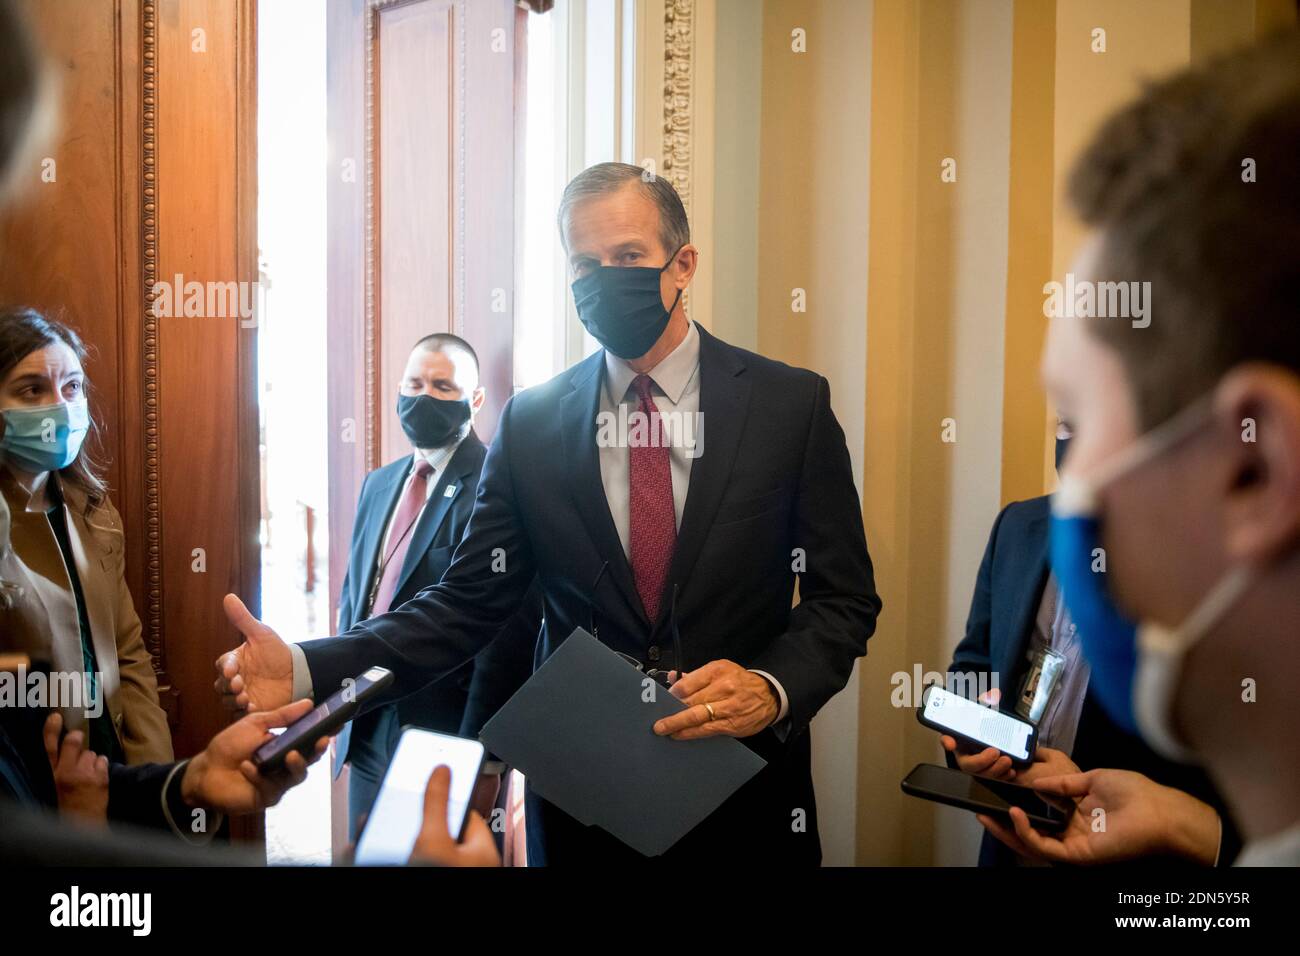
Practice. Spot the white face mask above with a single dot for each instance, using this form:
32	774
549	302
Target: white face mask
1161	652
1136	667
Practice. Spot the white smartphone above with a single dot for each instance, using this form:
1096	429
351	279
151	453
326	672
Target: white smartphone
398	813
976	724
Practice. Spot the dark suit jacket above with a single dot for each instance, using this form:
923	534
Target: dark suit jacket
134	792
463	700
773	487
1008	592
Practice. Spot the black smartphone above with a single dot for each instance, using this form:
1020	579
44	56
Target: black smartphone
981	795
326	719
977	725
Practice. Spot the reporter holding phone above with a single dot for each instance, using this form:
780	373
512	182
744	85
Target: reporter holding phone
1020	633
435	846
1190	635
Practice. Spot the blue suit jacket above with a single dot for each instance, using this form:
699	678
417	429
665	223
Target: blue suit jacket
1008	591
464	700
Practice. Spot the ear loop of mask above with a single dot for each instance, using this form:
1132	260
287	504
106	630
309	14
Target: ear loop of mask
1077	494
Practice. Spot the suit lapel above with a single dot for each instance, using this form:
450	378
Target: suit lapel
446	492
578	412
380	505
1027	603
724	403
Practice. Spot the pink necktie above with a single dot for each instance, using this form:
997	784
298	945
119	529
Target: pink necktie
653	521
399	536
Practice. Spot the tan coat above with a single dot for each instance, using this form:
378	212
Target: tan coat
43	623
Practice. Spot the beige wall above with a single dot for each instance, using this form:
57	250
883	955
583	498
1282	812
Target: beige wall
924	298
812	223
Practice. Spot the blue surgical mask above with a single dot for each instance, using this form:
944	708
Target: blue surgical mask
45	437
622	309
1135	667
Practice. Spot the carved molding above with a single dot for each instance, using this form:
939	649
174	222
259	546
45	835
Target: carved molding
679	88
368	332
153	585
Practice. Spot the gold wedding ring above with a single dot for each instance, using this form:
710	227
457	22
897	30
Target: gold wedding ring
712	715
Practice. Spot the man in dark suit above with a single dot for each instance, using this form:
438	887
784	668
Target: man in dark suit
1020	634
411	515
642	524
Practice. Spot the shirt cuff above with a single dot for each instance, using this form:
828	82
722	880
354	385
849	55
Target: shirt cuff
170	798
784	701
301	673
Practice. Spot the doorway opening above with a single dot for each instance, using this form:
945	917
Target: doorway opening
292	371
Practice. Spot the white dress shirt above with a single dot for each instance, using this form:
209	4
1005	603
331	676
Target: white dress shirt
676	390
438	459
677	396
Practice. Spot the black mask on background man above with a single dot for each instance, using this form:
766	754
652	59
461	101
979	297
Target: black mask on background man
432	422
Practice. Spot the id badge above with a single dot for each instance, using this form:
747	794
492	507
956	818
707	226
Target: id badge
1041	682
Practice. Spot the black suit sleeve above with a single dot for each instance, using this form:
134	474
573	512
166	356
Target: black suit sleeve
447	624
135	795
502	668
973	655
838	604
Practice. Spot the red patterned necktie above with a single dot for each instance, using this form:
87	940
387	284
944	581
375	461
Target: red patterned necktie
399	536
653	521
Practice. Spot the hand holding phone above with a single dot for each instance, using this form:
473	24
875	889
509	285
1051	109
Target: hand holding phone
324	721
436	846
994	798
1143	820
396	820
979	728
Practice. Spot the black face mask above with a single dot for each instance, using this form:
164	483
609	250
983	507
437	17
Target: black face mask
1062	446
621	307
432	422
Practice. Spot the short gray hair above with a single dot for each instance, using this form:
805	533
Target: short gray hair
605	178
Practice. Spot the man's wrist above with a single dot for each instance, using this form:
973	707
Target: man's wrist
777	692
192	780
1195	830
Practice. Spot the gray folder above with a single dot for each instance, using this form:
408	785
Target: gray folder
581	730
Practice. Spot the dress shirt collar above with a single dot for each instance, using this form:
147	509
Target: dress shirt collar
672	374
438	458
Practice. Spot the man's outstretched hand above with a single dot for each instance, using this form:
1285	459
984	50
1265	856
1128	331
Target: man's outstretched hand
257	675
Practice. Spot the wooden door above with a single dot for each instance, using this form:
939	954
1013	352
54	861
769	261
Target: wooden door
151	177
423	100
